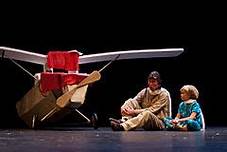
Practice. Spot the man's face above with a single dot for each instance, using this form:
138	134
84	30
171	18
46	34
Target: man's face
153	84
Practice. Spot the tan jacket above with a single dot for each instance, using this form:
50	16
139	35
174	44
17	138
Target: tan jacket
157	101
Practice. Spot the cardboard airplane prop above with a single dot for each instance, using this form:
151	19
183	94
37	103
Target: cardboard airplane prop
56	94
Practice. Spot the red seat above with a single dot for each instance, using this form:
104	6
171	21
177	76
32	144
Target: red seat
64	60
58	80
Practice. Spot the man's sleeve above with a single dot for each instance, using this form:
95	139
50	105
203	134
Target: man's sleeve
140	96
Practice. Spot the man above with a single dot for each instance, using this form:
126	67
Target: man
146	109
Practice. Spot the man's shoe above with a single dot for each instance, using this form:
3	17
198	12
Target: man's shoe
116	126
115	120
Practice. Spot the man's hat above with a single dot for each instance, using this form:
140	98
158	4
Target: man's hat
155	75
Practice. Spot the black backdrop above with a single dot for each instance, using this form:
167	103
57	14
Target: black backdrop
199	65
202	63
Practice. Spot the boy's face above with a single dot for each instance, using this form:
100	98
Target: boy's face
153	84
184	96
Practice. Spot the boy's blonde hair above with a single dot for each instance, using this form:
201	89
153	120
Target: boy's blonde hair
191	91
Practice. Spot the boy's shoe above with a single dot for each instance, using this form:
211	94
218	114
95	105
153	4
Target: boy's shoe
168	124
181	127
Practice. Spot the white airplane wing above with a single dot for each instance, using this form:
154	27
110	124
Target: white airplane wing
17	54
131	54
22	55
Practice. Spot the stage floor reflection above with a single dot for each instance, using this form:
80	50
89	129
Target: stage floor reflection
104	139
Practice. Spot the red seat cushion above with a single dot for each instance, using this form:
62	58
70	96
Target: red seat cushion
68	61
51	81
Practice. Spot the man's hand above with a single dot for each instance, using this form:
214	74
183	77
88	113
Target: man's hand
128	111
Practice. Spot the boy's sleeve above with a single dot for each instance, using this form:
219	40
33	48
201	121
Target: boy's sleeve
196	108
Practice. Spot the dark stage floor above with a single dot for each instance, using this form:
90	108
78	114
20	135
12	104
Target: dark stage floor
104	139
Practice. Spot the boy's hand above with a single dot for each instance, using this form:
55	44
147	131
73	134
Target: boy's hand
175	121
